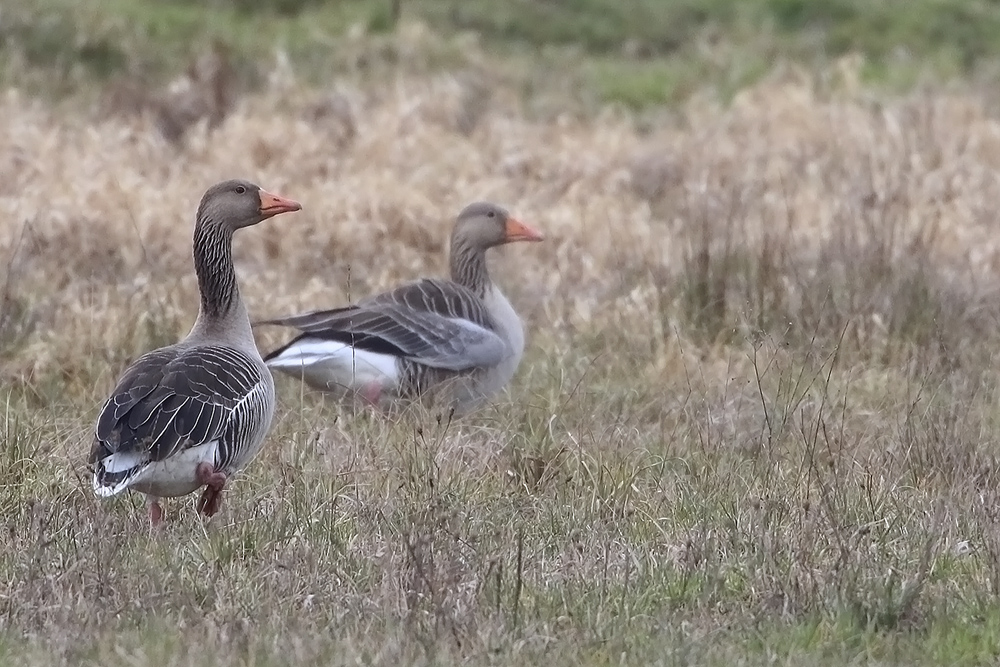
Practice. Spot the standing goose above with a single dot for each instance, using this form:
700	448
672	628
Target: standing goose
425	335
192	414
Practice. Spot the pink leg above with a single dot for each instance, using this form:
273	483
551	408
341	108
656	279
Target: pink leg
372	392
214	481
155	512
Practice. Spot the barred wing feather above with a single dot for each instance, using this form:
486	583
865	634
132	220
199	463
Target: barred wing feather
170	400
432	322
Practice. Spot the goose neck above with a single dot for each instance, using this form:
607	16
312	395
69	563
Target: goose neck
468	266
222	313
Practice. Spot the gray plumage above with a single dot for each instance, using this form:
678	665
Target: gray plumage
205	401
461	335
178	398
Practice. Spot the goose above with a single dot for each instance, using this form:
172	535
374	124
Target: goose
421	338
191	414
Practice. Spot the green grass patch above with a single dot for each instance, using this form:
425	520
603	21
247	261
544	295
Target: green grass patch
639	53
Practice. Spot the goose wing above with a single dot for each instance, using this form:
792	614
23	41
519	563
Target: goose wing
167	401
433	322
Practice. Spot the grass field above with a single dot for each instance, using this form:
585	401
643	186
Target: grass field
638	53
756	422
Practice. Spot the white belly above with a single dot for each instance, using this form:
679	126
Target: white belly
330	365
176	475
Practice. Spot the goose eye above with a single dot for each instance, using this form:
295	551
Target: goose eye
492	214
240	190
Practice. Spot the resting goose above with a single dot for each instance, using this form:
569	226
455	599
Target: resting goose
192	414
425	335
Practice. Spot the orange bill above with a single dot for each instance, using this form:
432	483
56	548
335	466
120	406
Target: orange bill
518	231
271	205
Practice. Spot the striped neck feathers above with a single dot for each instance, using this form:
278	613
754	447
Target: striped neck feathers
468	266
213	263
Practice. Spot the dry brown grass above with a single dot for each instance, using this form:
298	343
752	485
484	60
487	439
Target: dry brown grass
756	418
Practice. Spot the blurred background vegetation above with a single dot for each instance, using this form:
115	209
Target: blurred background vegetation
636	52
